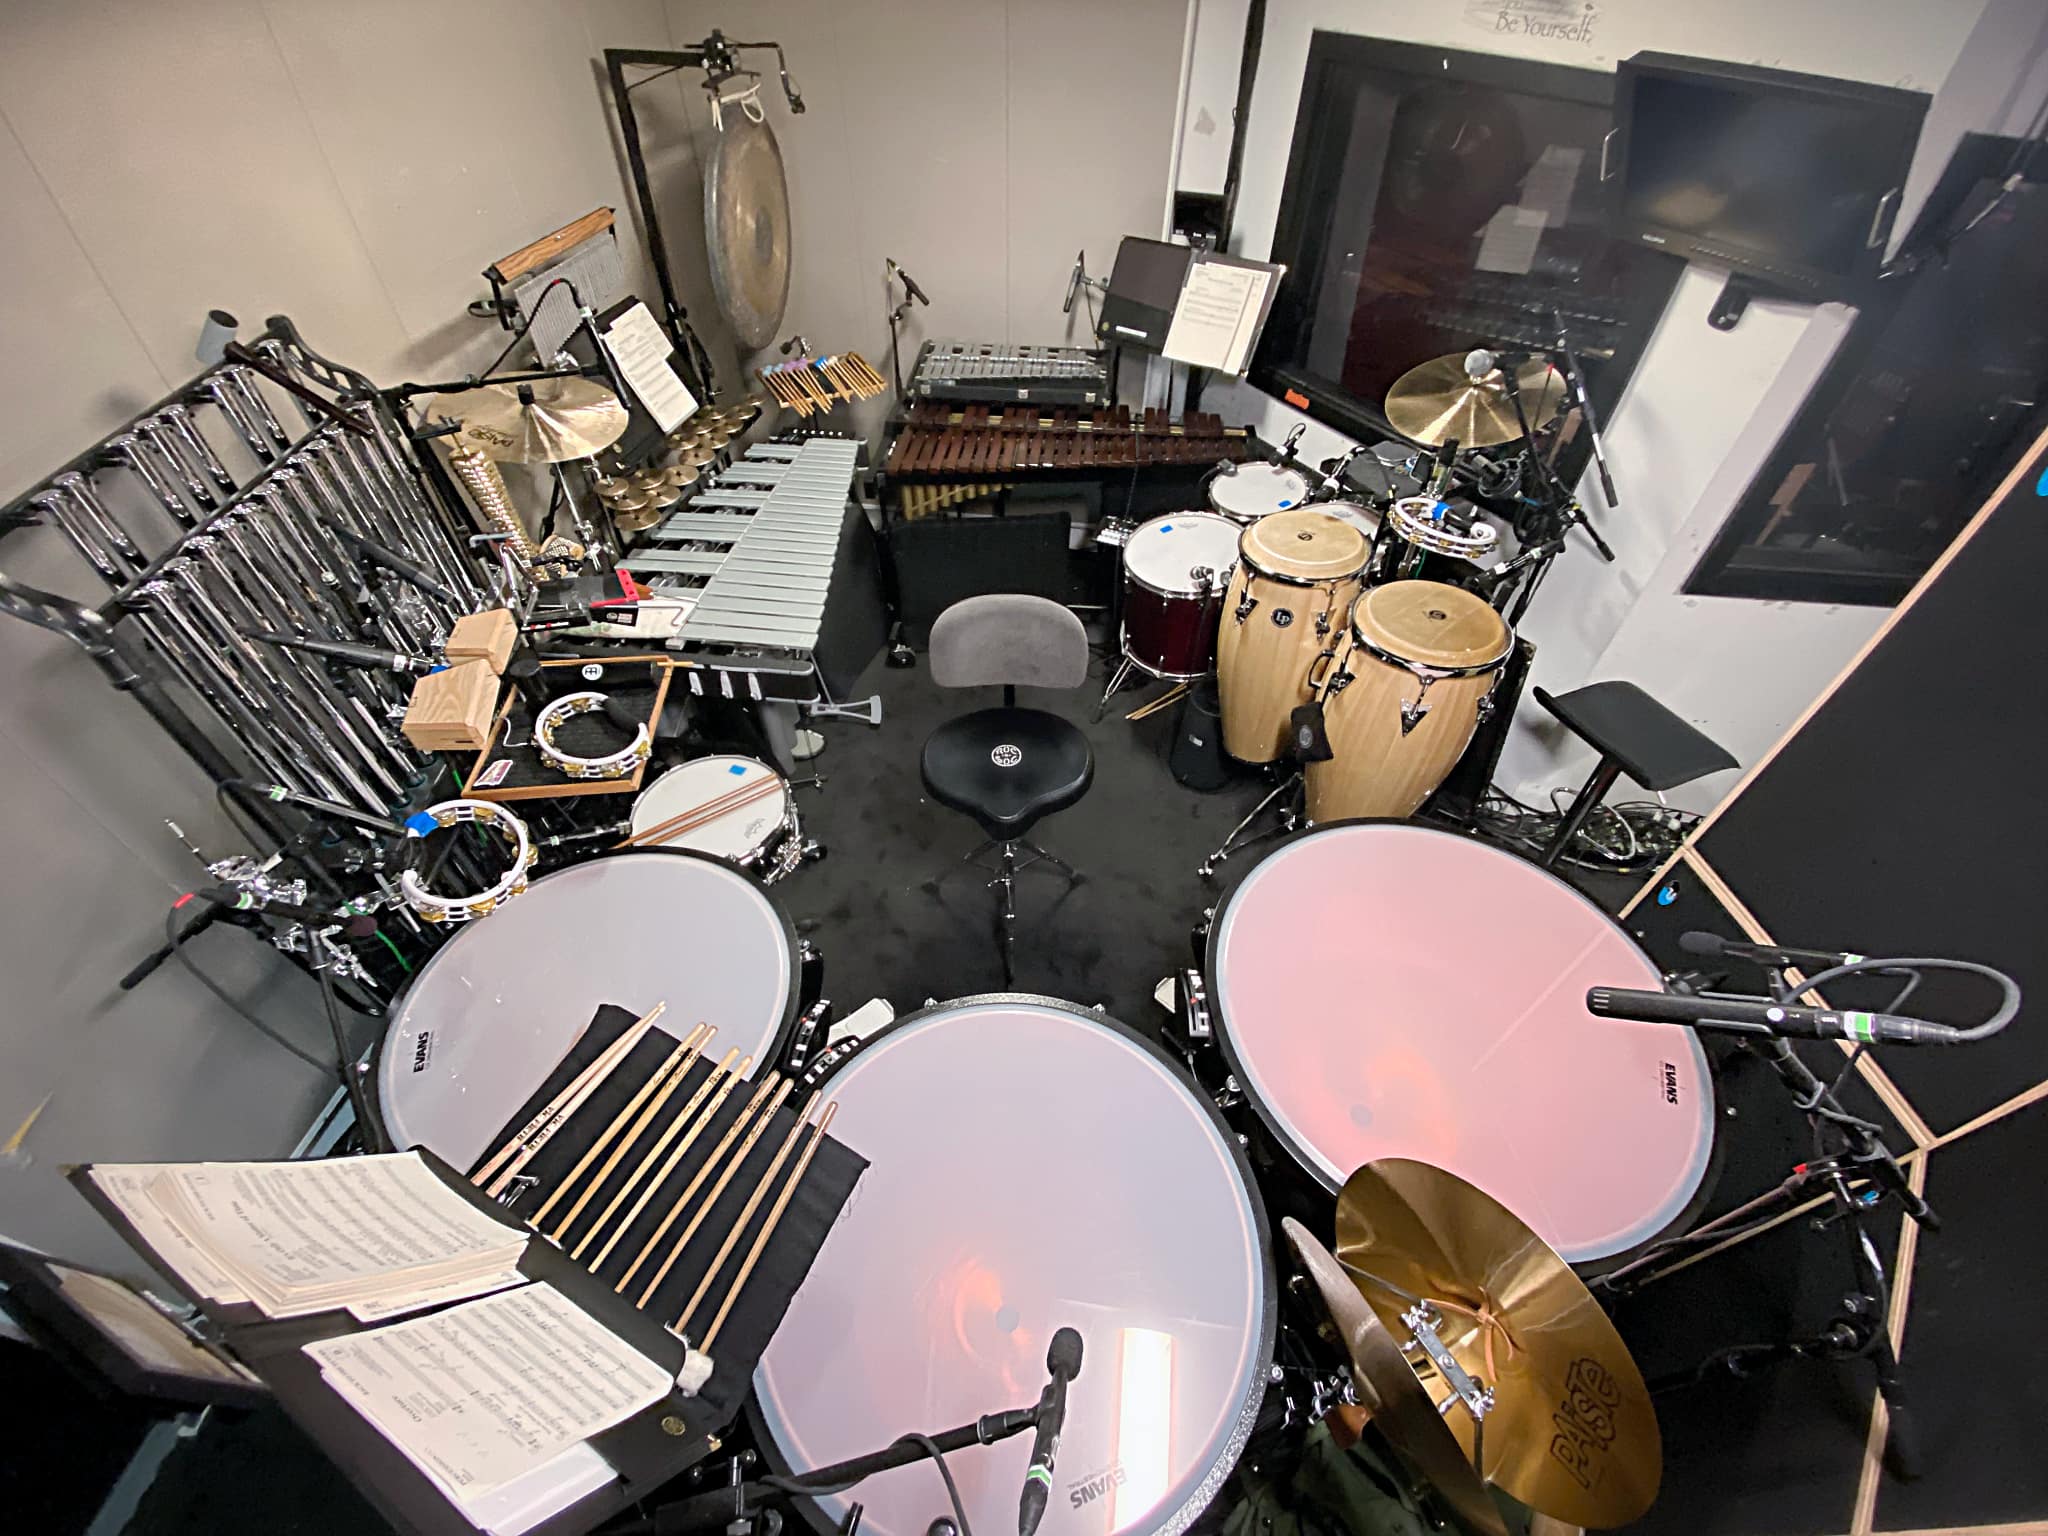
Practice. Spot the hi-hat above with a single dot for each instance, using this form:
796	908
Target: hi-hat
1571	1432
1390	1392
543	422
1437	402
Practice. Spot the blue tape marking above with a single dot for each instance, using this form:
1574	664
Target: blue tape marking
737	768
419	824
1166	527
1285	504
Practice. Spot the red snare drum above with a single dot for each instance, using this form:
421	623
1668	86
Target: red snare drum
1175	569
1367	1013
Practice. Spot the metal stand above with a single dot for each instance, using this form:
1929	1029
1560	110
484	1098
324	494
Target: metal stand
1291	816
1004	883
1124	668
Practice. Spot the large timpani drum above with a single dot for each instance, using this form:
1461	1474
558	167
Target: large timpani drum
1296	575
498	1005
1401	704
1174	571
1366	1015
1250	491
1130	1219
758	830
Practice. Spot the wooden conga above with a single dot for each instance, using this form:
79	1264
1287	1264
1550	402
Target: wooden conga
1297	573
1415	678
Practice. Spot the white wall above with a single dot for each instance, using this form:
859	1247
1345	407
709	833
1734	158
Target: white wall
1210	111
1704	407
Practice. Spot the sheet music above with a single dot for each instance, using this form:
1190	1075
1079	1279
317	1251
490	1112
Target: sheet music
642	349
127	1185
1217	318
493	1390
378	1309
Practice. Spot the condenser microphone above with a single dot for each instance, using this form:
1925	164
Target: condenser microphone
1811	961
1754	1017
348	654
332	810
909	283
1063	1361
1478	364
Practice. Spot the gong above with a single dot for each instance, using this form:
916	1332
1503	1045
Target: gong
746	228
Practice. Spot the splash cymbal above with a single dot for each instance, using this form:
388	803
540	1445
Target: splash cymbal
542	422
1390	1392
1572	1432
1437	402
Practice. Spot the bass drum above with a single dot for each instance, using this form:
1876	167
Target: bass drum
498	1005
1132	1221
1366	1013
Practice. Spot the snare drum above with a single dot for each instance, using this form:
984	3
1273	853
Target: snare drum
1174	572
1247	492
761	834
1366	1015
489	1016
936	1293
1296	575
1402	702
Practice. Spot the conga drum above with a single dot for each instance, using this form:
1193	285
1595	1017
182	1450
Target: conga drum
1174	570
1400	706
1297	573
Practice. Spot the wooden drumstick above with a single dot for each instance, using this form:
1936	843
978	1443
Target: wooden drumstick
682	1118
675	1156
746	1215
767	1085
690	1042
604	1061
796	1177
697	815
875	380
718	1188
666	1079
807	380
572	1099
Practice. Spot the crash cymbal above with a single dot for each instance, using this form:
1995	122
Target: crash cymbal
1572	1432
1390	1392
543	422
1437	402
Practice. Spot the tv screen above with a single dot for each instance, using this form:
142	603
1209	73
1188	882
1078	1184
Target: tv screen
1793	179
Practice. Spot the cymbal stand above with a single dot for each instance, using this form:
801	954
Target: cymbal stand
1291	811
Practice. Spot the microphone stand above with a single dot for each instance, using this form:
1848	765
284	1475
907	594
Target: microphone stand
1861	1330
1575	377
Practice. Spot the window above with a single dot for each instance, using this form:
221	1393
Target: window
1929	400
1438	201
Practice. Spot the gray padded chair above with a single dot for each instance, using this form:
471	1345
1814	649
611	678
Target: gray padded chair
1008	766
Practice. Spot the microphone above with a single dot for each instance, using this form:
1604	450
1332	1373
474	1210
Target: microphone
1478	364
1063	1360
236	900
333	810
370	552
909	283
367	657
1753	1017
1811	961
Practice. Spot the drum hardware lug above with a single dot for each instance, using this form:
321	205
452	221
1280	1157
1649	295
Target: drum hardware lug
1411	715
1245	605
1275	1374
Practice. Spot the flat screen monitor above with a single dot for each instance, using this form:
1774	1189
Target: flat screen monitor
1792	179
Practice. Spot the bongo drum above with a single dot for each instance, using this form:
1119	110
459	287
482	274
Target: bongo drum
1174	571
1297	573
1248	492
1401	704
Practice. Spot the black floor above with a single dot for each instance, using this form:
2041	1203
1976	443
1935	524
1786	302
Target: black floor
895	915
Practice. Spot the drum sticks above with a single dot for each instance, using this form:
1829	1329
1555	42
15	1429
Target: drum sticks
535	1134
679	1055
698	815
718	1188
683	1116
654	1186
746	1213
796	1177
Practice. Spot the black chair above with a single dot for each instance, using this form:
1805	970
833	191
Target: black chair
1009	766
1634	734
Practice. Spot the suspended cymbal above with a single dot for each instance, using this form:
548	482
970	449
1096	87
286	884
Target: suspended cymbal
544	422
1391	1394
1572	1432
1437	402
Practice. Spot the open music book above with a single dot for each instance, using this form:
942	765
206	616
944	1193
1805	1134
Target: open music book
377	1236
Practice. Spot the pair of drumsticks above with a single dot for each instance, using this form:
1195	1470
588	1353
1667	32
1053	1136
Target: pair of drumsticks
688	1124
701	815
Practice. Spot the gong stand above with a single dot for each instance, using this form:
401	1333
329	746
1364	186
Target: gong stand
718	57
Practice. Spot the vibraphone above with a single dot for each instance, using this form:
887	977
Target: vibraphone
946	454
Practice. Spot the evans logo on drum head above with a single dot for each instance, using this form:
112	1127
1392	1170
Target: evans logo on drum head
422	1050
1006	755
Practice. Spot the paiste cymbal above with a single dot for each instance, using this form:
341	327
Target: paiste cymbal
1572	1432
1390	1392
544	422
1437	402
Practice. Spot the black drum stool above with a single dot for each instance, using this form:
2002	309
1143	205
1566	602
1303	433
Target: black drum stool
1634	734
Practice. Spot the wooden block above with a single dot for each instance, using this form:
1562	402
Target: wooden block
488	636
451	709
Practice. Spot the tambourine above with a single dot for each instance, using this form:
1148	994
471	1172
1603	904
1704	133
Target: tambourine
1411	520
615	765
460	909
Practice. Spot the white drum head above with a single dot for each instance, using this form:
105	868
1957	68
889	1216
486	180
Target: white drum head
1356	513
1245	491
739	834
1165	553
1387	990
1032	1166
497	1006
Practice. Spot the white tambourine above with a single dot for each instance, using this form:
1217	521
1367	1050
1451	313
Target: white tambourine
1412	519
460	909
615	765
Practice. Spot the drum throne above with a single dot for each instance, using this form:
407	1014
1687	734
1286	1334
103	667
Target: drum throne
1008	766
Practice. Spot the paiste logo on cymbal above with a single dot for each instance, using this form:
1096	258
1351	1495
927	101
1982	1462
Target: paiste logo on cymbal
1585	1421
